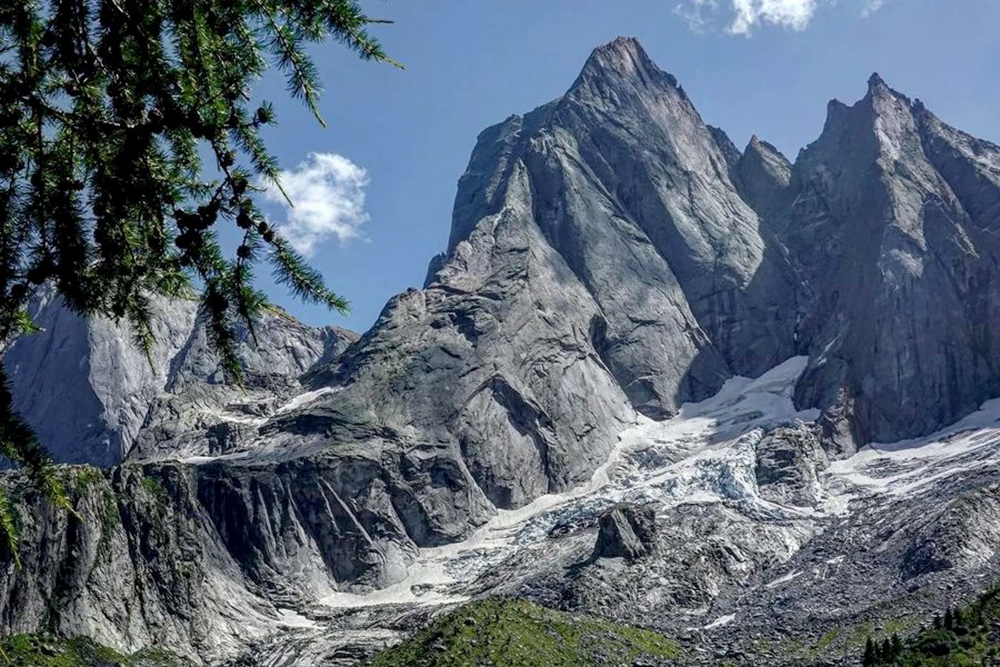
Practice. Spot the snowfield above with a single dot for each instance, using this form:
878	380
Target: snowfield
704	455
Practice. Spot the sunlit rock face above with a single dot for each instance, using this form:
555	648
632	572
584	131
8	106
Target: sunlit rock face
92	396
634	384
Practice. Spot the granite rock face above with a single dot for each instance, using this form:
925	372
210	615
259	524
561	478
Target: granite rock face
201	413
889	233
93	397
83	386
789	462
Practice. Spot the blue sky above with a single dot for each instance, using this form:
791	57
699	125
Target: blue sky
376	202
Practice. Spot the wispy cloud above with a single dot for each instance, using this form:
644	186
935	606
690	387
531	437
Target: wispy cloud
871	7
744	17
328	196
794	14
697	13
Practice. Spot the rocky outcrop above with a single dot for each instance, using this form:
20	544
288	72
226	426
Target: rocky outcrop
196	557
92	396
626	531
201	412
83	386
764	175
789	461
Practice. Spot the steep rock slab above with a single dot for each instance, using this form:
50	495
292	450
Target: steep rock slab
763	176
490	374
897	274
633	190
196	557
83	386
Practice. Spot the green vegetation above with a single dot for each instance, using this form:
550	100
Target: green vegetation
47	651
961	636
153	487
129	135
839	642
86	476
516	632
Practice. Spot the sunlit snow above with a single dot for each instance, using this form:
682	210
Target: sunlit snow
704	454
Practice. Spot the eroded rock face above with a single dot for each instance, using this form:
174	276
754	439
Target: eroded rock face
93	397
789	461
626	531
900	294
198	557
83	386
200	412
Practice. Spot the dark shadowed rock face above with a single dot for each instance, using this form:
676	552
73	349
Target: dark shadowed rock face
626	531
898	277
763	176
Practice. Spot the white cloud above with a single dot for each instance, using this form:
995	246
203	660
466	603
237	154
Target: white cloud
871	7
794	14
696	13
328	196
743	17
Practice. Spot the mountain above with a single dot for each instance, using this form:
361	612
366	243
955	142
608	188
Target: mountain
648	379
92	397
902	293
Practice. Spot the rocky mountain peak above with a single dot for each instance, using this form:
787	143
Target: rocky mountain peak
879	89
763	175
765	150
623	62
876	83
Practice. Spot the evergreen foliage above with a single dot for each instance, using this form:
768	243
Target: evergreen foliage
112	112
962	636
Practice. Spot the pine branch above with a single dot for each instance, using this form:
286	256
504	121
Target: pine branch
303	281
106	107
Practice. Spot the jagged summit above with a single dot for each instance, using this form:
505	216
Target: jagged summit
623	59
876	81
619	51
758	145
879	90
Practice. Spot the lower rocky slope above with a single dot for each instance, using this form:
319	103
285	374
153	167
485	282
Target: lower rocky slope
726	527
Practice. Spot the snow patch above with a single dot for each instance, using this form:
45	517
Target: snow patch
907	467
791	576
292	619
705	454
719	622
304	398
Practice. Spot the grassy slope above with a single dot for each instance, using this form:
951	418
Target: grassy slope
515	632
43	651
